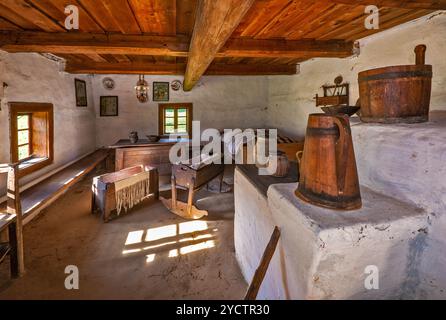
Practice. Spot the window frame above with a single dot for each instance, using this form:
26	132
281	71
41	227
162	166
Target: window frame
189	114
41	119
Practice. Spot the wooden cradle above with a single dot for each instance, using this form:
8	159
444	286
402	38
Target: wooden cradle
104	191
187	178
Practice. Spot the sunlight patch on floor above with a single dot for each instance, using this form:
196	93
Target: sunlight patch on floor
182	232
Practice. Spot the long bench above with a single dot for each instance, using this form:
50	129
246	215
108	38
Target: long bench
21	207
41	195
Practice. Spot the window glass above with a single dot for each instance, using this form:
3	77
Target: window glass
23	137
182	120
23	122
24	152
175	118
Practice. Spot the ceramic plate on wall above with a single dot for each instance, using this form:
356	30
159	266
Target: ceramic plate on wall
176	85
108	83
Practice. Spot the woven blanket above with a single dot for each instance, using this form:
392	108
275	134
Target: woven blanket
131	191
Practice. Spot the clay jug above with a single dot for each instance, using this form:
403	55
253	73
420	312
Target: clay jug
328	174
283	164
133	136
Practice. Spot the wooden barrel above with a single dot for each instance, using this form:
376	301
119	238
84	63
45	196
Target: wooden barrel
397	94
328	174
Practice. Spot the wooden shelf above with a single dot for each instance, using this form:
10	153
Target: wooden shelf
331	101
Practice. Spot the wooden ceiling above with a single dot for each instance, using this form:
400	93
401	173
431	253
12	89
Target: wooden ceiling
196	36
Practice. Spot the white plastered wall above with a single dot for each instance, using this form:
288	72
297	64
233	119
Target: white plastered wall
34	78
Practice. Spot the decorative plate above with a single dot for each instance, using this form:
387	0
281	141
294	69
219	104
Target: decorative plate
108	83
176	85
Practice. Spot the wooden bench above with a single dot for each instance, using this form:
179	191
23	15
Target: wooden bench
21	207
103	188
41	195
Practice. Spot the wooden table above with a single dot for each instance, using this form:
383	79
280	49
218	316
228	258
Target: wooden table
144	152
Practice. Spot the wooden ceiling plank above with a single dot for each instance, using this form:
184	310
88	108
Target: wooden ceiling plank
8	25
56	10
312	15
185	16
73	57
402	4
112	15
260	14
28	17
389	23
96	57
122	58
123	15
386	15
99	13
155	16
177	68
336	24
285	20
357	23
110	58
16	19
215	22
315	19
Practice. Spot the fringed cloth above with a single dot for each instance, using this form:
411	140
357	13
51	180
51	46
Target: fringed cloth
131	191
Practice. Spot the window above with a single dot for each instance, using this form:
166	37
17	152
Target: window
24	130
175	118
31	126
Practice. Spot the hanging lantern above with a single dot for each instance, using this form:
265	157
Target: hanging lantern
142	90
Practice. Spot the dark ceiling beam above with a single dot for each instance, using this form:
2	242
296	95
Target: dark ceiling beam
88	43
257	48
177	46
177	68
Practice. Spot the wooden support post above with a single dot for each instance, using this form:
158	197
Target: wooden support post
174	193
214	23
16	234
257	280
